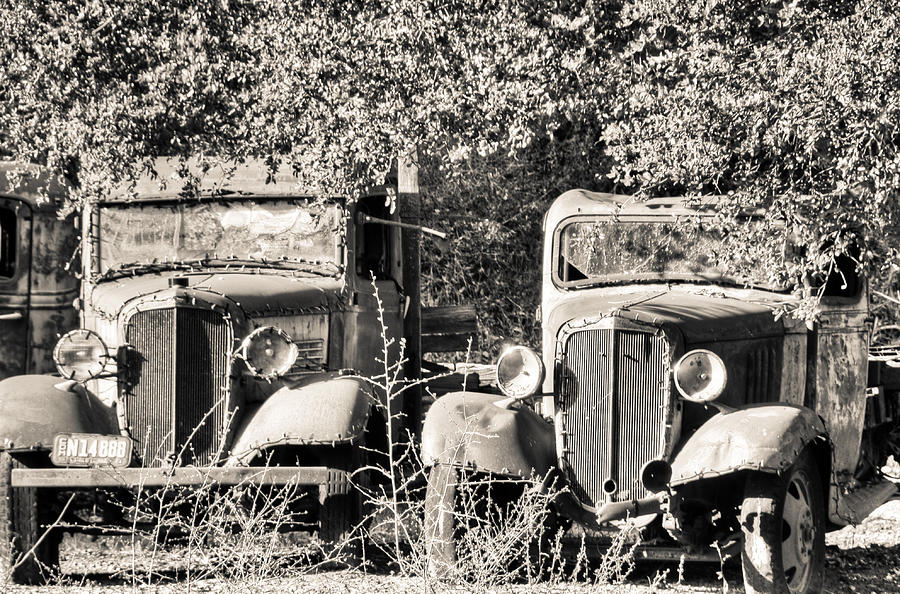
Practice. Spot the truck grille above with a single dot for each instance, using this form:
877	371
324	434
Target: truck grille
613	399
174	384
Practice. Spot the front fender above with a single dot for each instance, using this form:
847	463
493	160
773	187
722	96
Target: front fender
767	437
468	429
329	410
35	408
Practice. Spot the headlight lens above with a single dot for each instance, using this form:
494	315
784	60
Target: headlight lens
80	355
269	352
700	375
519	372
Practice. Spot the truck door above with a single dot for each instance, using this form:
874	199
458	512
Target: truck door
15	280
378	255
838	356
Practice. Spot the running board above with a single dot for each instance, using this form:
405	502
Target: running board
853	508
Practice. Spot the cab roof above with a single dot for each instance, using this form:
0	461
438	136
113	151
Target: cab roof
583	202
39	187
216	178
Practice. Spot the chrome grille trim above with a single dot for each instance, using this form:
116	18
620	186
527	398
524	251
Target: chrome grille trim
174	384
613	409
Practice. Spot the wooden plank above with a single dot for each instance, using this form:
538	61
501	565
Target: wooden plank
449	319
162	477
445	343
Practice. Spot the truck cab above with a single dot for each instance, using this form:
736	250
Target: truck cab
676	391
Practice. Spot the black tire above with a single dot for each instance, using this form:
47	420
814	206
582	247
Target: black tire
25	513
783	522
341	515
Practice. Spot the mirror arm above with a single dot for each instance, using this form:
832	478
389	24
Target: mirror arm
364	218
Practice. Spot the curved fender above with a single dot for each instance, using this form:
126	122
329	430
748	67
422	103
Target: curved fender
768	437
468	429
331	410
35	408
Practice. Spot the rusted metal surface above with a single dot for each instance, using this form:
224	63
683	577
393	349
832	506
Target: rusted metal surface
36	299
838	379
468	429
325	409
766	438
256	293
35	408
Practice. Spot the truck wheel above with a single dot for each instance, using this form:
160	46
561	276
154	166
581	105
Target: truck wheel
451	511
24	514
341	515
441	520
783	521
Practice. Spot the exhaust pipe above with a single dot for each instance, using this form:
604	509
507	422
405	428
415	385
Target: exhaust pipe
620	510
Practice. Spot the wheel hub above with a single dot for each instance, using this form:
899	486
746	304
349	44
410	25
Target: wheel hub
805	536
798	546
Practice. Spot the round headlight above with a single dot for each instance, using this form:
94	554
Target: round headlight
269	352
700	375
80	355
519	372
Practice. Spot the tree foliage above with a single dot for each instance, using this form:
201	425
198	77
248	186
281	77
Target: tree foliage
786	104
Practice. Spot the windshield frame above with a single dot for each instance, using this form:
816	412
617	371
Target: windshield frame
643	278
336	269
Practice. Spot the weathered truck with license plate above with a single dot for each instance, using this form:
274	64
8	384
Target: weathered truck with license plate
231	328
678	398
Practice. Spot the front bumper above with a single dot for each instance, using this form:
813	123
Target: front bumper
331	481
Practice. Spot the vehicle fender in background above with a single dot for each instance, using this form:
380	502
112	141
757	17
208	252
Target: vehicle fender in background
766	438
315	411
468	429
35	408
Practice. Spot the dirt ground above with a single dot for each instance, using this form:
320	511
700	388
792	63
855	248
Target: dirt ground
864	559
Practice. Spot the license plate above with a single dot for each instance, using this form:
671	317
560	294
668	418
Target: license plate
91	449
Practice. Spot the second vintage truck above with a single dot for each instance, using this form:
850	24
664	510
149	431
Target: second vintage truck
679	397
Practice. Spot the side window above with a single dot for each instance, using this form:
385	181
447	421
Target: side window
8	241
843	281
373	240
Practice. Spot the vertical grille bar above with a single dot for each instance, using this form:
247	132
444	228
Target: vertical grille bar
175	382
613	395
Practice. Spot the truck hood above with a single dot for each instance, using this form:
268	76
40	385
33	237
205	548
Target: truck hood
699	317
255	294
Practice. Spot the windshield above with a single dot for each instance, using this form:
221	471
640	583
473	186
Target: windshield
286	232
596	251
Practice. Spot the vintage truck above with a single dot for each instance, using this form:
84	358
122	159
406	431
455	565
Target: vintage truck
230	327
38	288
678	398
